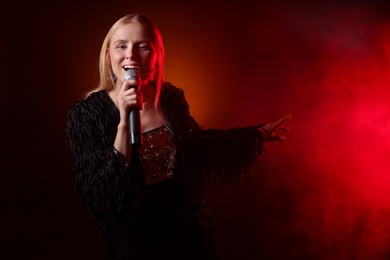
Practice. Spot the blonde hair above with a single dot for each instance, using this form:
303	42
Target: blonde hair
107	78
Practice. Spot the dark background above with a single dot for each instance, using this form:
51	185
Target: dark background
323	194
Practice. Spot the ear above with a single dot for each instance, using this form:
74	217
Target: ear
108	56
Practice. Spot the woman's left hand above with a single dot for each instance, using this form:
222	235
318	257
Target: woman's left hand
270	131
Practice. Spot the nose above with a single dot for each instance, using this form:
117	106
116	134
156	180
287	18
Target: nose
131	52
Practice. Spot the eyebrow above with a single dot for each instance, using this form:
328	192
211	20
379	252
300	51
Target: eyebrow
125	41
120	41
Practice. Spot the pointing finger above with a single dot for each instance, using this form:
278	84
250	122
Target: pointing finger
281	121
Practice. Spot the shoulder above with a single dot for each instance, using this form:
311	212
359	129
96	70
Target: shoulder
176	109
171	94
169	88
91	106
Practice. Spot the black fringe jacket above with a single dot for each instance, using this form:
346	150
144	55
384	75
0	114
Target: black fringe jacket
168	220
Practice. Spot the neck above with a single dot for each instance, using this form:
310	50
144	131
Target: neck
149	97
151	115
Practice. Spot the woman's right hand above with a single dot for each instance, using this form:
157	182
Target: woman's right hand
128	98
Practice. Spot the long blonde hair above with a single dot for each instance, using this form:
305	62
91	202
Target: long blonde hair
107	78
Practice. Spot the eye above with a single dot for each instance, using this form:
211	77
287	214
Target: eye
144	47
121	46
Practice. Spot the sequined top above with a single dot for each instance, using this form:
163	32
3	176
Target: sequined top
159	154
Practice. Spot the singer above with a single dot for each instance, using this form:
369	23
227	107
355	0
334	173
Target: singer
148	197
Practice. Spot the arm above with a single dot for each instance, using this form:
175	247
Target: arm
215	156
103	177
222	157
228	156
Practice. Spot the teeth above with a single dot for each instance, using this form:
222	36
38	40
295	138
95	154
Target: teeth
126	67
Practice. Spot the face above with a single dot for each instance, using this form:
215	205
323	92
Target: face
130	46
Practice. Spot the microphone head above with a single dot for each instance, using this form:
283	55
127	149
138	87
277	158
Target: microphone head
132	74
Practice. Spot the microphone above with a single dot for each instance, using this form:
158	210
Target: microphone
134	117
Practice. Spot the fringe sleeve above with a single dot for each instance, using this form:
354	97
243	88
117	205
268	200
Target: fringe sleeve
103	178
223	157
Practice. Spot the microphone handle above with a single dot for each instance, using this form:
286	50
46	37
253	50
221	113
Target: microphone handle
135	128
134	117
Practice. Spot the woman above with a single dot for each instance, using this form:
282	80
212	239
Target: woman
148	200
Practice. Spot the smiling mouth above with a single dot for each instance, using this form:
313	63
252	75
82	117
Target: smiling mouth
126	67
